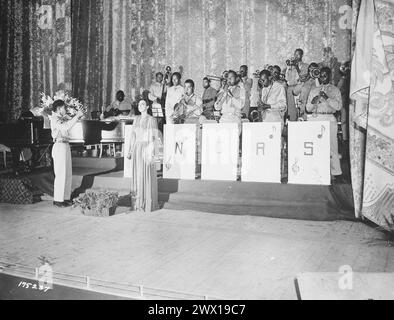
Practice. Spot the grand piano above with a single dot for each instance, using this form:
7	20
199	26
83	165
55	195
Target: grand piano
29	132
26	133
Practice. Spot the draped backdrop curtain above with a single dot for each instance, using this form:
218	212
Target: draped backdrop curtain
18	57
127	41
87	52
35	52
372	112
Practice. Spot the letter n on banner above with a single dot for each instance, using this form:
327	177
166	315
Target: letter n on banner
261	156
309	152
220	143
179	160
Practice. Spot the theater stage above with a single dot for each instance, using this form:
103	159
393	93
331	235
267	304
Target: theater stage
196	254
302	202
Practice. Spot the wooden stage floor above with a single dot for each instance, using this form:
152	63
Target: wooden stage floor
233	257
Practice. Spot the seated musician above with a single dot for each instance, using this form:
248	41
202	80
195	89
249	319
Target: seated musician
231	100
189	109
208	101
119	106
324	101
174	96
272	105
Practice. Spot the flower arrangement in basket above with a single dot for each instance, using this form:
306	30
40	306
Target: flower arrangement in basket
99	203
73	105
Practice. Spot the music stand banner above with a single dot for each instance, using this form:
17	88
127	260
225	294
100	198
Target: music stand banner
261	152
179	161
309	152
220	144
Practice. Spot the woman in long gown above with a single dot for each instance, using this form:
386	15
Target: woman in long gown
143	151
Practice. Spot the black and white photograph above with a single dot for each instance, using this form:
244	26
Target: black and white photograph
215	152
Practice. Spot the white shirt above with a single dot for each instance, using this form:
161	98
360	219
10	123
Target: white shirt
60	130
155	91
275	96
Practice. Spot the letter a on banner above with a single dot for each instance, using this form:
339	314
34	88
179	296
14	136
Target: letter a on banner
220	144
261	157
309	152
179	160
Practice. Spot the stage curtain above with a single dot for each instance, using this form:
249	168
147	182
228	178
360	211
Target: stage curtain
18	65
35	52
372	110
87	52
198	38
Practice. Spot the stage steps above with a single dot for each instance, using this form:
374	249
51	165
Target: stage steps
235	197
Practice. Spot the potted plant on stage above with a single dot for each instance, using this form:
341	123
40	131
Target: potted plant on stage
99	203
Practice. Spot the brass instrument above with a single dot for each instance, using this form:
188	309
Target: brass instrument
221	98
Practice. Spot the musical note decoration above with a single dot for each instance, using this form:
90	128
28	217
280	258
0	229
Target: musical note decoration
295	167
322	131
271	136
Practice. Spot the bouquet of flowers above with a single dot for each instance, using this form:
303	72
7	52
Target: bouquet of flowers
73	105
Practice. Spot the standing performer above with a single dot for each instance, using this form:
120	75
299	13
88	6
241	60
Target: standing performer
174	95
296	70
144	147
248	84
273	99
61	153
231	100
324	102
156	92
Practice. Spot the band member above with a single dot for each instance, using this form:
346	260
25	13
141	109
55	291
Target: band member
119	106
248	83
330	61
143	150
323	102
303	88
189	109
231	100
208	99
273	99
61	153
295	70
155	96
276	76
174	95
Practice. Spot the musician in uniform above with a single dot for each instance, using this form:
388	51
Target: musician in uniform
272	104
324	101
208	99
61	152
174	96
231	100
